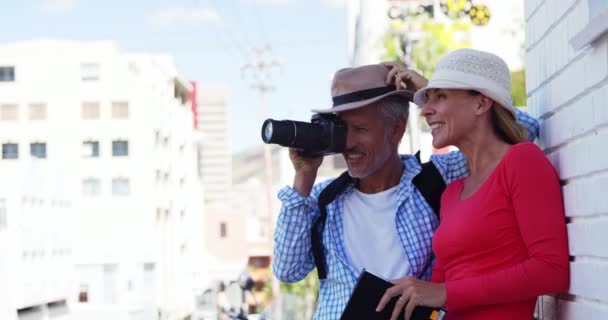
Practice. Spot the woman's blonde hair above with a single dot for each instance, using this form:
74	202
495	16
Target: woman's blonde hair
504	123
506	126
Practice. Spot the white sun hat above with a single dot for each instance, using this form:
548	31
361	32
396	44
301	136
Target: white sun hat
470	69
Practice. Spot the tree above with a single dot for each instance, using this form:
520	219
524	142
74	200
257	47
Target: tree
518	88
425	39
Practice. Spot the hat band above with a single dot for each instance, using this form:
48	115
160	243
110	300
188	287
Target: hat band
361	95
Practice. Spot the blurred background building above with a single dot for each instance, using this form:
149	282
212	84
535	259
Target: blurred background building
36	241
121	125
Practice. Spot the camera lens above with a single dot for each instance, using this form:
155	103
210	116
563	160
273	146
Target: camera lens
295	134
267	128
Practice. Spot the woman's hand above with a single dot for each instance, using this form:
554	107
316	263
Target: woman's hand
413	292
399	74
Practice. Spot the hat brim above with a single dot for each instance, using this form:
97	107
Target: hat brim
407	94
420	97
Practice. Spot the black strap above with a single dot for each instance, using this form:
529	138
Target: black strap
325	197
429	182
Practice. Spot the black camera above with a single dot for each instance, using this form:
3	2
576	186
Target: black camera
324	135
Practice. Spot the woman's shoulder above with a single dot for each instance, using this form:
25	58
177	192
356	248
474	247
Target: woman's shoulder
526	160
524	151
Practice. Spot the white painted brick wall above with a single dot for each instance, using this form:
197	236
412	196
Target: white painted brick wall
568	90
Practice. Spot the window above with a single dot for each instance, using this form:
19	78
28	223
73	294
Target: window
2	215
91	187
9	112
89	110
10	151
38	150
89	71
120	187
90	149
259	262
149	266
120	110
37	111
83	294
223	230
156	137
120	148
7	74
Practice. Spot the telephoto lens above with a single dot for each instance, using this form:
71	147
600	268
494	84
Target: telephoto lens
324	135
294	134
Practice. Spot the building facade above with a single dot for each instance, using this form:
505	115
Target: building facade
567	86
36	264
213	114
122	124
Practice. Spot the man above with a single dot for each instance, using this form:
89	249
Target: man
380	222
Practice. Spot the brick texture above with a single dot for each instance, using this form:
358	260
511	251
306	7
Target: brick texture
568	90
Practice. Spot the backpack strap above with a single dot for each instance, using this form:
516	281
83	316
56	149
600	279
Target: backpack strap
430	184
326	196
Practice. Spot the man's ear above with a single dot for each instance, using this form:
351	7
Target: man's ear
398	130
484	105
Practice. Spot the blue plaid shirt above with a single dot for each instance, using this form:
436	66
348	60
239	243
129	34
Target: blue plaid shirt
415	221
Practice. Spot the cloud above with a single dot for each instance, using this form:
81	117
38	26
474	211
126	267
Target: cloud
58	7
181	15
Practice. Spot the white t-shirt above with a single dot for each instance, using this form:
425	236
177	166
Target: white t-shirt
370	234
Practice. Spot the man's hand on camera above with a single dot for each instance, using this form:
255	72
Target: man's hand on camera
400	74
306	171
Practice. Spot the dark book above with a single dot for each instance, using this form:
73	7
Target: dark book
367	294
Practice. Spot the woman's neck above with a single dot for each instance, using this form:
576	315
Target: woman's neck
483	151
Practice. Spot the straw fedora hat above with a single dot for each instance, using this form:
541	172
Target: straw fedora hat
358	87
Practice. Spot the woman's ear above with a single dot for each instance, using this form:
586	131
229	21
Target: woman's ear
485	104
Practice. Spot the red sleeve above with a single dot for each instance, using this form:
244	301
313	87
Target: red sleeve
533	185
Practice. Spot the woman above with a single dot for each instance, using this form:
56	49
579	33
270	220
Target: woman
502	238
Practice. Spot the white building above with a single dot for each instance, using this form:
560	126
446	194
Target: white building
36	265
213	114
567	85
123	125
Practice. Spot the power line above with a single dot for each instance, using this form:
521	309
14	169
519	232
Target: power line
261	66
241	51
260	23
235	8
232	49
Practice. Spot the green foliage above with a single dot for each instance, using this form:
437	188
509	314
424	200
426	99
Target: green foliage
439	40
301	288
518	88
434	40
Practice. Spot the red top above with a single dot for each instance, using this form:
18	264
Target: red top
503	246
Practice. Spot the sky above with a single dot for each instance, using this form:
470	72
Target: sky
210	40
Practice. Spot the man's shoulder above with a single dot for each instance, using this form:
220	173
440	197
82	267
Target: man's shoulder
319	187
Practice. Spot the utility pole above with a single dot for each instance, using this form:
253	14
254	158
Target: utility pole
260	67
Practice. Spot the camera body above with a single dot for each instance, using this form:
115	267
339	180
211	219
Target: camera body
324	135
